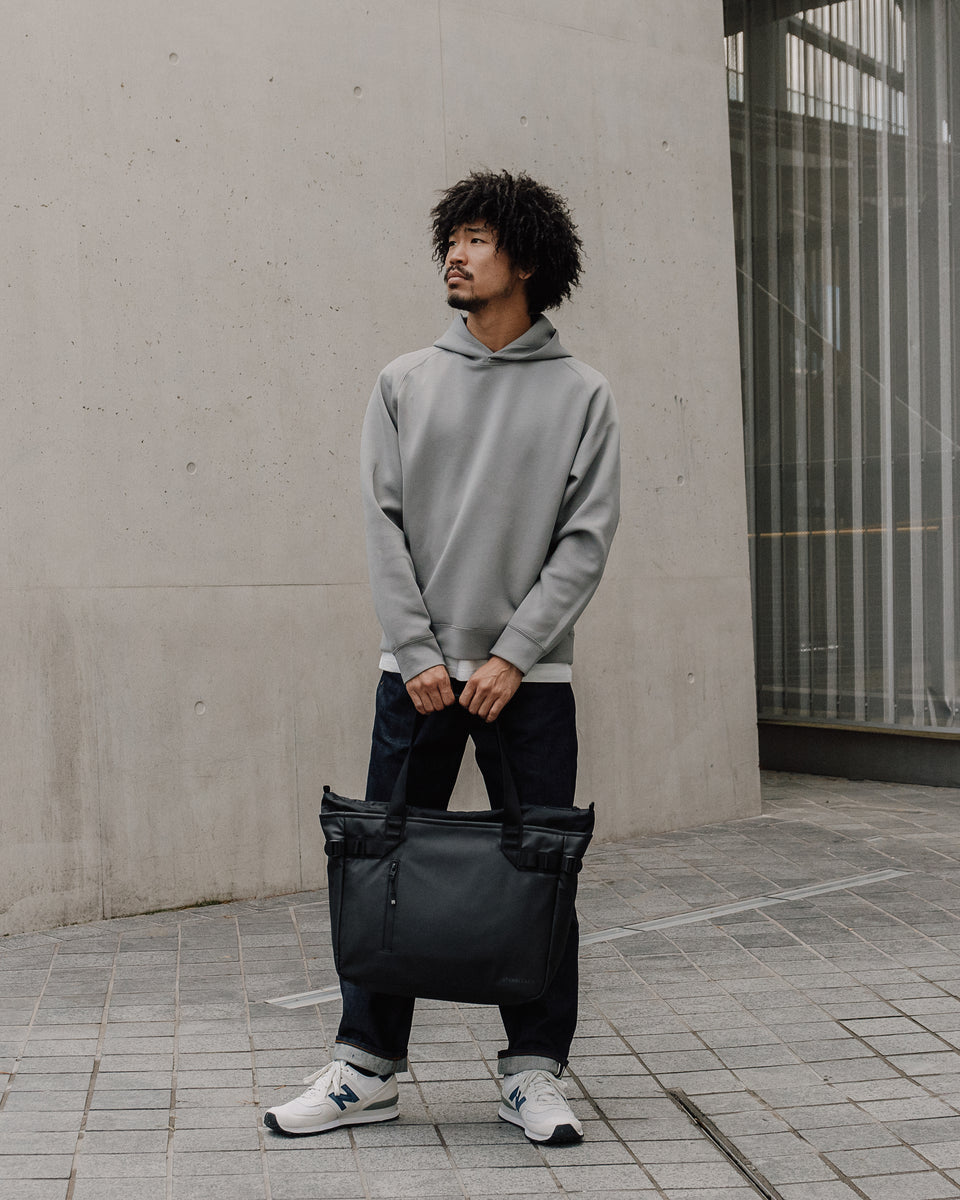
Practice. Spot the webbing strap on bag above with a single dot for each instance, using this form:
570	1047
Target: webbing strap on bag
549	861
511	837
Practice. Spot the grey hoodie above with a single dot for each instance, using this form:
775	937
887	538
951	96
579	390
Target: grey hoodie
491	496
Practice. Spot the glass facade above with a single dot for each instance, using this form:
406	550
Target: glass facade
848	248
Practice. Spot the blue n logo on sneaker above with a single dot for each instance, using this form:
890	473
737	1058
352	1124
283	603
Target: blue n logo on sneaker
347	1096
517	1100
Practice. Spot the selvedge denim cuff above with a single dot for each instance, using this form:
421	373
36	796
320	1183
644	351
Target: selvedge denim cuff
513	1064
370	1062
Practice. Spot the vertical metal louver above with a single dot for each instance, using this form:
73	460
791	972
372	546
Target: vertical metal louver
848	248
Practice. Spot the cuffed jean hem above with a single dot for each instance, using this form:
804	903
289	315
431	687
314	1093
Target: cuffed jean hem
358	1057
513	1064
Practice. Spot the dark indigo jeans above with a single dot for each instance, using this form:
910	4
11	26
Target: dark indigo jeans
539	731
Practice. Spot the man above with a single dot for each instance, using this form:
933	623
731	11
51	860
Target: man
490	467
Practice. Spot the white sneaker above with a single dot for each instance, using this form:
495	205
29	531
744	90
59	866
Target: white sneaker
534	1101
337	1095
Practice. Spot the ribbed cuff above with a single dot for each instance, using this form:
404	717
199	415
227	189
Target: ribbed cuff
416	657
517	648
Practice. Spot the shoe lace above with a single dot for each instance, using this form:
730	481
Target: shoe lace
325	1080
542	1086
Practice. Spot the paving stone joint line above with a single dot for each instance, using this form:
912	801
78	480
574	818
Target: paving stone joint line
818	1027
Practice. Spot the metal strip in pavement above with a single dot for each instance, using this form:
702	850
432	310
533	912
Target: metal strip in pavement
722	910
326	995
305	999
730	1150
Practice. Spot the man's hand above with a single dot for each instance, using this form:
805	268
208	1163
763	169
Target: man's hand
490	688
430	691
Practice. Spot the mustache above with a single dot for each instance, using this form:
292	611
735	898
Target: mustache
459	271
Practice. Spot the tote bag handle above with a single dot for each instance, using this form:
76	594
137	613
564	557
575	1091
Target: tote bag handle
512	837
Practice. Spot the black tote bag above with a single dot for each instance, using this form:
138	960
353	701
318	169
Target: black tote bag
470	906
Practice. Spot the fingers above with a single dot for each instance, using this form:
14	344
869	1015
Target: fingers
482	702
485	695
430	691
442	693
424	700
490	689
427	700
467	695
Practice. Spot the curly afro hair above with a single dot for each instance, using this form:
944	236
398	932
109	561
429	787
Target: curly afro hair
532	223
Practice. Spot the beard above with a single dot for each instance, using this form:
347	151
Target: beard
470	304
464	303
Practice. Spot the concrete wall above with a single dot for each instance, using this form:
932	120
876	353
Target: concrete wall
214	233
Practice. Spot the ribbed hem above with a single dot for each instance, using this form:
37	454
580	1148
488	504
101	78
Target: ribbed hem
370	1062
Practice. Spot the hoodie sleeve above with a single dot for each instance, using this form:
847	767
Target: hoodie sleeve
393	581
584	531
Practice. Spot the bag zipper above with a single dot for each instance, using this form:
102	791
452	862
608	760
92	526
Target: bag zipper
391	905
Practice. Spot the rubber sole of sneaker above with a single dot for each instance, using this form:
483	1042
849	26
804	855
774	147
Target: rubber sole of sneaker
562	1135
361	1118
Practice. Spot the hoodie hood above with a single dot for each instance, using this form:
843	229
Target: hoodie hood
541	341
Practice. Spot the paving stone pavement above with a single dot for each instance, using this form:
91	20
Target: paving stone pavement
818	1032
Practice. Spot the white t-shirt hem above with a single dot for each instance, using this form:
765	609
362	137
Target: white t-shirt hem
462	668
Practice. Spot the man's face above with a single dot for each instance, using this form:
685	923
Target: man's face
476	273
